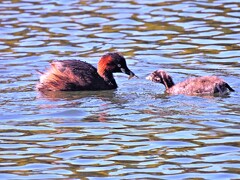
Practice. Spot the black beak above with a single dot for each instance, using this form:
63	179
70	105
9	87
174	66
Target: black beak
128	72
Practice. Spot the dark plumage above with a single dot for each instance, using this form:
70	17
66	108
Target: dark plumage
206	85
75	75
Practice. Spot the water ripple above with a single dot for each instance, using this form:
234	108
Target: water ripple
136	131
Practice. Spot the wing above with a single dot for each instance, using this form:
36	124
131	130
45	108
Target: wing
70	75
199	85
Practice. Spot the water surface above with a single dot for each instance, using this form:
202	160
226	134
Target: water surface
136	131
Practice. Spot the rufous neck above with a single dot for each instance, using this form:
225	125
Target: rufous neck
108	78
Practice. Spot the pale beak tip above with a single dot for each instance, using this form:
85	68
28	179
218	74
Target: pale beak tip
131	76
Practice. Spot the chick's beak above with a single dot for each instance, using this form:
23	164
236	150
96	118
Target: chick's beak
149	77
128	72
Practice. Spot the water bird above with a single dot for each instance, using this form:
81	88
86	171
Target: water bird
76	75
205	85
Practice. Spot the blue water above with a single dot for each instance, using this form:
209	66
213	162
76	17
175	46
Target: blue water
136	131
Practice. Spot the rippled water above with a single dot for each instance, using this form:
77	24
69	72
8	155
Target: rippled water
136	131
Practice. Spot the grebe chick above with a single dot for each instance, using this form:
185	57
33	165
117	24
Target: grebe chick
205	85
75	75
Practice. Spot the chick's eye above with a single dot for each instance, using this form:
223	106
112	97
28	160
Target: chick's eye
157	79
119	65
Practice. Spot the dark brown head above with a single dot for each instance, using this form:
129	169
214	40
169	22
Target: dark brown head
113	62
161	76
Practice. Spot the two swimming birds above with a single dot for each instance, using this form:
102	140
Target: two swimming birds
75	75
